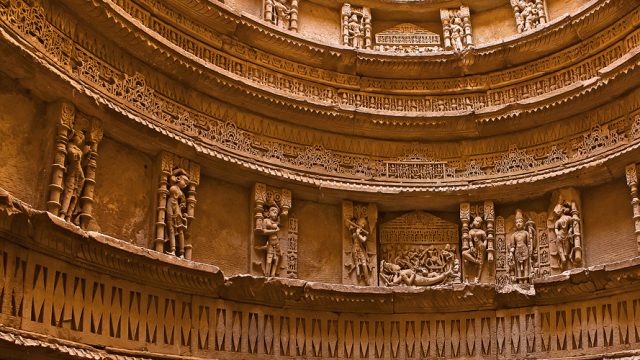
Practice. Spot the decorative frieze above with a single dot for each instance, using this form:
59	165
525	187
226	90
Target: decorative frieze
456	26
419	249
529	14
275	236
178	179
359	247
73	173
282	13
478	237
356	27
407	38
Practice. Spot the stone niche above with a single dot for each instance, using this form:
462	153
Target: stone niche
356	27
274	239
419	249
359	253
282	13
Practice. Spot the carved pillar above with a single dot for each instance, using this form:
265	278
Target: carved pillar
293	20
367	28
359	257
502	267
465	214
94	137
63	113
178	179
489	217
631	172
274	237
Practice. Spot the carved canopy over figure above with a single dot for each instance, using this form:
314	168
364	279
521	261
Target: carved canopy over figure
360	256
522	250
529	14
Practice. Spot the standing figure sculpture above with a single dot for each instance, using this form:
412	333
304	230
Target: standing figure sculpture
270	228
522	252
457	34
176	211
360	256
475	254
355	31
281	14
74	177
564	231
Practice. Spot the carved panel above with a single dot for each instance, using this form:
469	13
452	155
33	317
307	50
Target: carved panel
407	38
359	250
356	27
456	25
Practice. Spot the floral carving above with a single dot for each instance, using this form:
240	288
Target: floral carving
515	160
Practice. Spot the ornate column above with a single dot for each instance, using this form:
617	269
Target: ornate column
63	113
631	172
489	217
94	137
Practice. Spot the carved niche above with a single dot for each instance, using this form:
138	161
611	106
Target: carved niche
282	13
522	248
456	26
419	249
74	166
356	27
564	226
275	237
178	179
478	235
529	14
359	254
407	38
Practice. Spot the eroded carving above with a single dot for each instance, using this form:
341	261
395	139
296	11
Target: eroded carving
418	249
456	25
356	27
179	178
478	242
529	14
74	167
407	38
282	13
359	243
275	233
564	224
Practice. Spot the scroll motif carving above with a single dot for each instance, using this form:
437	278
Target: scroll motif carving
631	172
359	253
419	249
456	25
478	237
74	167
529	14
407	38
275	235
356	27
282	13
564	227
179	178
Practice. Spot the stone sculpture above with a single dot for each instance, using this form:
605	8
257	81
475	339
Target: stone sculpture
359	248
176	204
418	249
407	38
564	224
631	172
456	25
282	13
522	251
529	14
356	27
477	242
74	167
275	235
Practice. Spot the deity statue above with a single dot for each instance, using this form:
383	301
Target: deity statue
74	177
176	211
360	257
565	248
457	34
356	27
475	254
522	252
270	228
281	14
355	31
529	14
392	274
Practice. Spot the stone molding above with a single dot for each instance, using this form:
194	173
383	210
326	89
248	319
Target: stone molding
222	138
